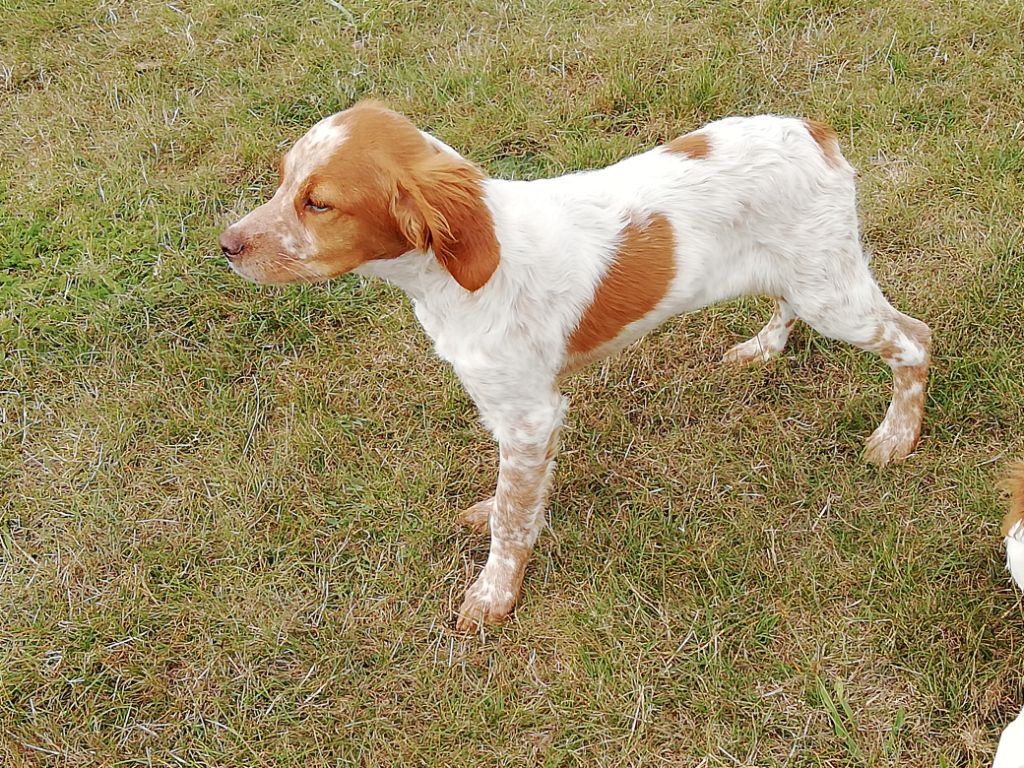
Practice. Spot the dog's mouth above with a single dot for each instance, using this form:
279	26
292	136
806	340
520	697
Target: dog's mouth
265	250
273	269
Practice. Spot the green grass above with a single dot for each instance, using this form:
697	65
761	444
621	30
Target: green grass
227	528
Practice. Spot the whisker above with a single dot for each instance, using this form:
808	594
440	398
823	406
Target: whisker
294	267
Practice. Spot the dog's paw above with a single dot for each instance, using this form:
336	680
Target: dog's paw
478	517
749	352
485	603
890	443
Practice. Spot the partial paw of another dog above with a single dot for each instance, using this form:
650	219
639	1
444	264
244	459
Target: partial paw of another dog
477	518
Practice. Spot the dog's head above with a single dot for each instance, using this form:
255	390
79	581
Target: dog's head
363	185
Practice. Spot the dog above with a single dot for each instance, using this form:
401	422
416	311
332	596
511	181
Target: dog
1013	523
1010	753
520	283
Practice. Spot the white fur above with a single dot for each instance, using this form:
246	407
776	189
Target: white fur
1010	752
1015	553
766	210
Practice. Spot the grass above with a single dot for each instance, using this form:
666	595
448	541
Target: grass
227	513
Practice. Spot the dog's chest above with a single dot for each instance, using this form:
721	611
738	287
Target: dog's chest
451	332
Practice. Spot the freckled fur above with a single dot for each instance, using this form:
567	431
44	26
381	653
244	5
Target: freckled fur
502	274
390	189
769	341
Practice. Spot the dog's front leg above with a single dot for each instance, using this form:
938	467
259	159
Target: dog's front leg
528	440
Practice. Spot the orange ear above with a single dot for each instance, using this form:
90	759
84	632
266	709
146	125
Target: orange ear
407	207
439	205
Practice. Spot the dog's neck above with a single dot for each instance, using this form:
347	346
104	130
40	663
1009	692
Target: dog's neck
418	274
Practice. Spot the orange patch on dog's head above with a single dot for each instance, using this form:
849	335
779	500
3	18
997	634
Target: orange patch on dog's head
637	279
694	145
363	185
1015	485
826	139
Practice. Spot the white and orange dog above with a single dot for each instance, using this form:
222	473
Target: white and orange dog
519	283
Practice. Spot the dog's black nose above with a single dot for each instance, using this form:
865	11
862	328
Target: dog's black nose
231	244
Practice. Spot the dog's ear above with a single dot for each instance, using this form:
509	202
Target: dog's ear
439	205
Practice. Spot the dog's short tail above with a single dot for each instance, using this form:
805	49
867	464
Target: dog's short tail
1013	524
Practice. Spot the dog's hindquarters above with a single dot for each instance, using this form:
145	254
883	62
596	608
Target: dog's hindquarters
849	306
818	271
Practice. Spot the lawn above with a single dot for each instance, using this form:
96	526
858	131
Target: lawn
227	513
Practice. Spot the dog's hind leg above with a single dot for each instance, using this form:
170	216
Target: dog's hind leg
905	344
769	341
849	306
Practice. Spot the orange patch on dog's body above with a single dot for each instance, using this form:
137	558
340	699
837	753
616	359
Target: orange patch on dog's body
694	145
636	281
826	139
